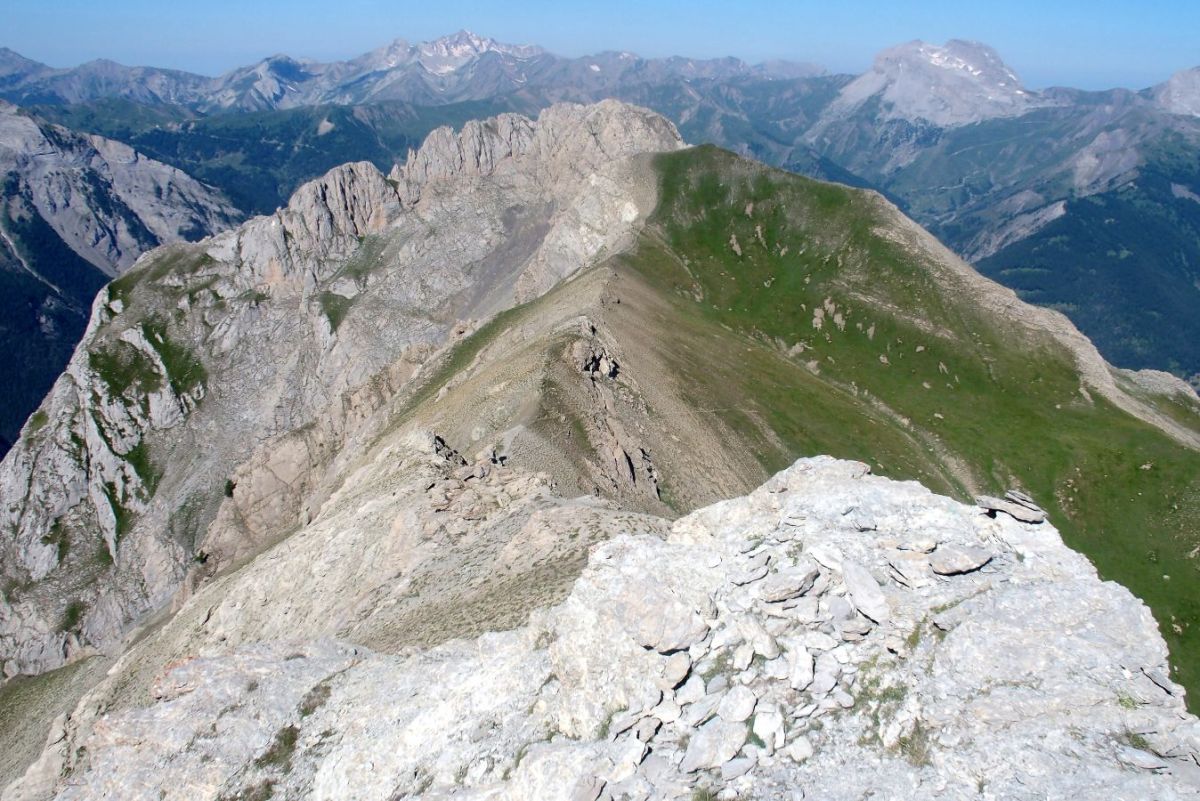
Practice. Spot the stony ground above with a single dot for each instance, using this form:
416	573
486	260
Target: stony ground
832	635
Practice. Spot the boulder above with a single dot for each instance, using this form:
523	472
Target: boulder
1017	511
713	744
788	583
737	705
864	591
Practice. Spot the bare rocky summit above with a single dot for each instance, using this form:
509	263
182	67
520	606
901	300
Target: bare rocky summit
1180	94
952	84
678	663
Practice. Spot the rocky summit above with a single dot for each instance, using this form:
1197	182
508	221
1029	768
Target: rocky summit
804	641
479	479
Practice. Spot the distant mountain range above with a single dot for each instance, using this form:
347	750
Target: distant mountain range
452	69
1088	202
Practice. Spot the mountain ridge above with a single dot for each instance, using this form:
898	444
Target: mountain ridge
971	161
407	410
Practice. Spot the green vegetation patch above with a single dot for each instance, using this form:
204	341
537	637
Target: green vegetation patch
335	307
184	369
122	367
38	420
58	537
124	516
279	754
73	615
850	345
139	459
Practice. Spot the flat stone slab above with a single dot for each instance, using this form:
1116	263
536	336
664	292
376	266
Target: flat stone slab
1017	511
954	560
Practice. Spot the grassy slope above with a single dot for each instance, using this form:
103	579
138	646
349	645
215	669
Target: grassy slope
1011	410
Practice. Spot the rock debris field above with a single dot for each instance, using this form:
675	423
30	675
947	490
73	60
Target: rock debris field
833	635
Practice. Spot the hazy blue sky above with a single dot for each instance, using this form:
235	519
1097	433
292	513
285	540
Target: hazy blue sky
1094	44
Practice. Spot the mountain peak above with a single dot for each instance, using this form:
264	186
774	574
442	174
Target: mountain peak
962	59
465	45
1180	94
443	55
956	83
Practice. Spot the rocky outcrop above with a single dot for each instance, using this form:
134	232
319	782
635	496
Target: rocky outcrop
764	648
76	210
202	356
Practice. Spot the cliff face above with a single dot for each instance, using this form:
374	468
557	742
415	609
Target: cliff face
104	200
202	351
77	211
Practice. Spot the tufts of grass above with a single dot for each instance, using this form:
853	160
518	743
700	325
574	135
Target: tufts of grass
917	746
282	748
314	699
139	459
1135	740
58	537
184	369
73	616
124	516
335	307
122	367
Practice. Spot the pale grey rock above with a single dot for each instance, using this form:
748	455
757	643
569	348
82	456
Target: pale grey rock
942	85
558	194
910	568
802	672
768	726
691	691
736	767
1018	511
1180	94
737	705
789	583
648	727
800	749
713	744
1027	687
700	711
823	682
104	200
1017	496
952	560
865	592
676	669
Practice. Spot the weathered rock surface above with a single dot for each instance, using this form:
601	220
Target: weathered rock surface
76	210
217	381
1034	682
1021	510
105	201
